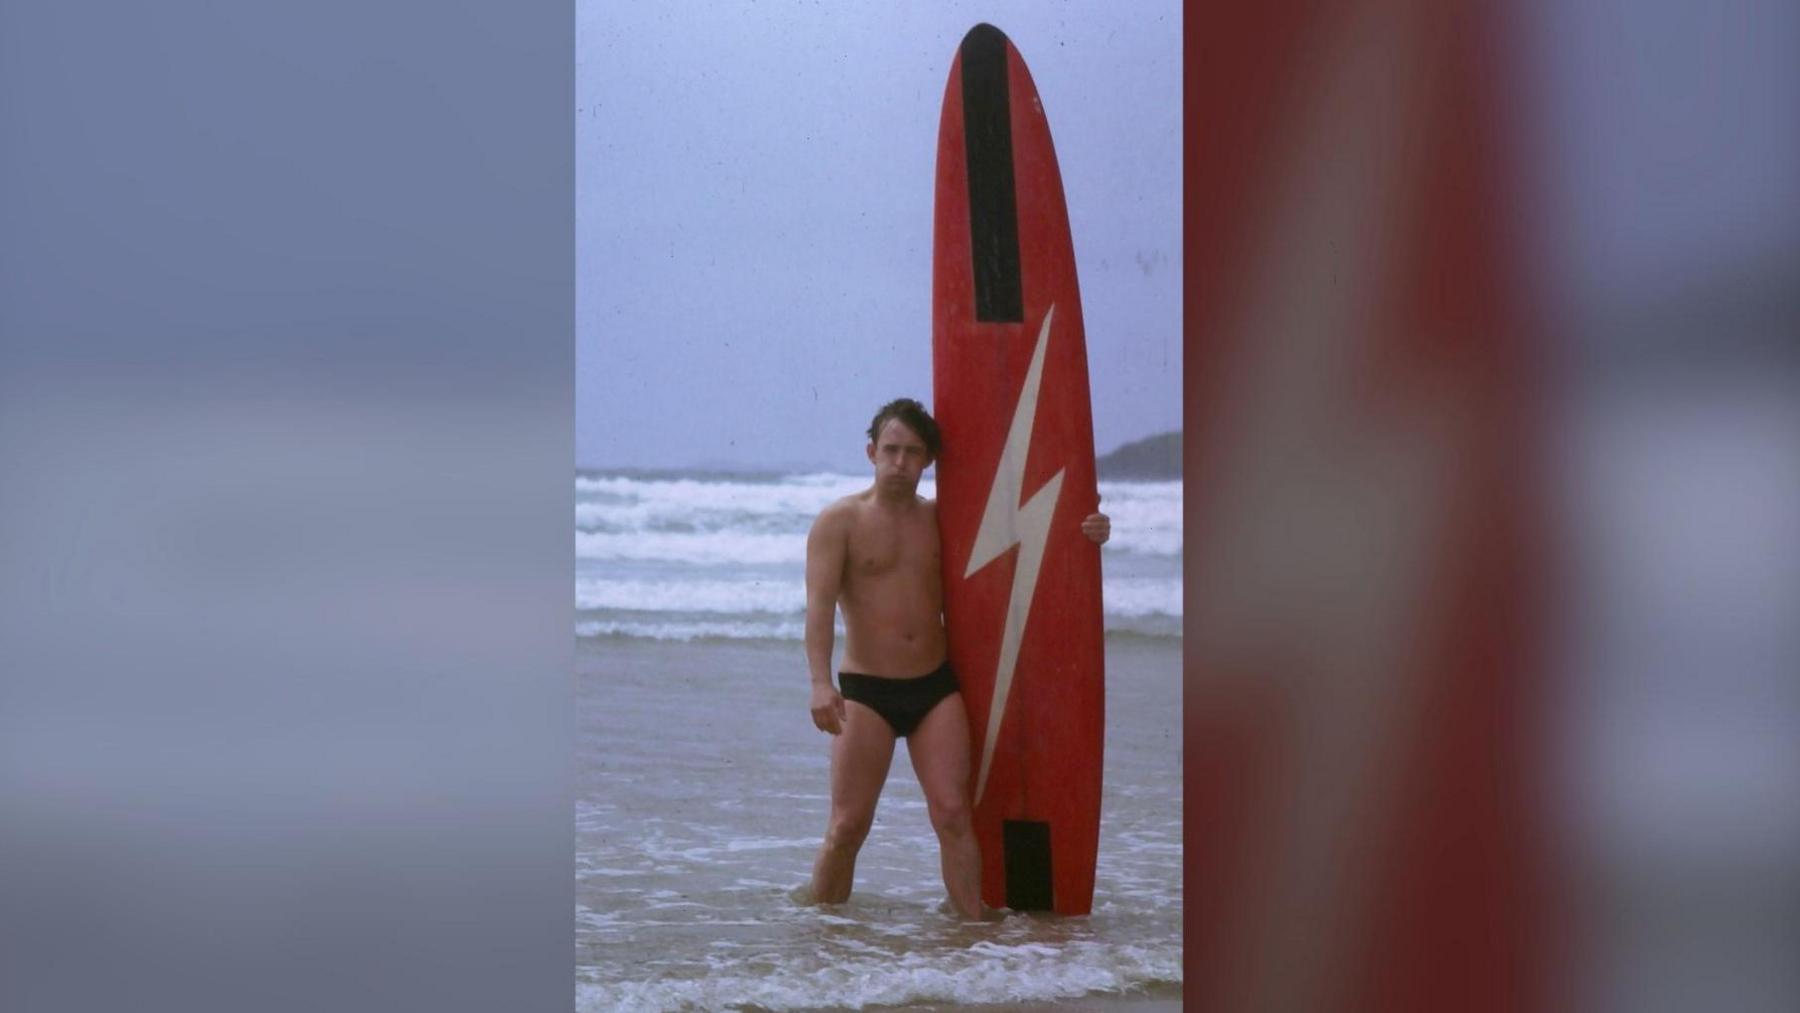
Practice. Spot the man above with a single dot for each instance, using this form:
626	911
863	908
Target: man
875	555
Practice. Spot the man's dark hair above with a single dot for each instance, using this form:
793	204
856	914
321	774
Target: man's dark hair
915	418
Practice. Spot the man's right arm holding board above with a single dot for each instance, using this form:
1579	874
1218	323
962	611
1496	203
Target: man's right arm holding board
826	546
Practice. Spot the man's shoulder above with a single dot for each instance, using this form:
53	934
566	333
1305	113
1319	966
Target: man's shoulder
840	512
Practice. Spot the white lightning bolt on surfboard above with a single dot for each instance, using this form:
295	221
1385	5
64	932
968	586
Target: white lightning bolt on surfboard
1005	523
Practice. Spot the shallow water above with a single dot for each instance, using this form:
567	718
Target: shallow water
701	799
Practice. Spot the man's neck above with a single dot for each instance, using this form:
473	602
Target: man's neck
894	499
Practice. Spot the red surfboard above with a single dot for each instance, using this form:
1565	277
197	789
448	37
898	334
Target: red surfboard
1015	478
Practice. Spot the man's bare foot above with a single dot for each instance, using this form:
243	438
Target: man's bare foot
988	914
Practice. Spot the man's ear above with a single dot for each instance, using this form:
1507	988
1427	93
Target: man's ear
871	452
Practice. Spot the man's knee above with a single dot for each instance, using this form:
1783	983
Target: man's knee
848	831
950	816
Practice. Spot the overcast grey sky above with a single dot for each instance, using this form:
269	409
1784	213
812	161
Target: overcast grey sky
754	206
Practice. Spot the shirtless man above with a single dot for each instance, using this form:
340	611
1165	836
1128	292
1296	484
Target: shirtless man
875	555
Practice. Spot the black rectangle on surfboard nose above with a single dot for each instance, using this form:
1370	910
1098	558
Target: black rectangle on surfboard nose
1026	846
988	154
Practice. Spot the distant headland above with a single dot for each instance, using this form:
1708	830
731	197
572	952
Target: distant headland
1151	458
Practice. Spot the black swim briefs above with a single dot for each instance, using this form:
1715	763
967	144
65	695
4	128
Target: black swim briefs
902	703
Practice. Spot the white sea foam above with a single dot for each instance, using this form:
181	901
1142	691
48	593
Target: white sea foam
691	630
805	495
1140	597
1146	517
702	548
759	598
1144	541
983	973
745	596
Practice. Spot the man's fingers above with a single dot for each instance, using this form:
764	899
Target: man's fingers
1098	527
829	718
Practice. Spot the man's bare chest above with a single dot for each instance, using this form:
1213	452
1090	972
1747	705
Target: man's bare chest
893	550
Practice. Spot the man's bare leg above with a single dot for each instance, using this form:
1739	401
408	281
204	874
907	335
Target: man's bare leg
860	755
939	748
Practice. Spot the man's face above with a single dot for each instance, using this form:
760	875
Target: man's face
899	456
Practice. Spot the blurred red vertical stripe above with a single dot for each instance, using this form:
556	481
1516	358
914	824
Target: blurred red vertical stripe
1364	595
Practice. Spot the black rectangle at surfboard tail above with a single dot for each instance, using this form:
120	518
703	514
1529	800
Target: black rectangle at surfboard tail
1027	847
987	148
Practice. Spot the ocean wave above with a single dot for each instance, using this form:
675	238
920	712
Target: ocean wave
683	518
734	597
684	557
689	630
705	520
1123	598
1146	517
1141	541
1144	628
805	495
1139	597
689	626
1113	491
737	546
700	547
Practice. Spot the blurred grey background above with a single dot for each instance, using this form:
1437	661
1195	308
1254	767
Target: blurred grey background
1667	226
286	373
